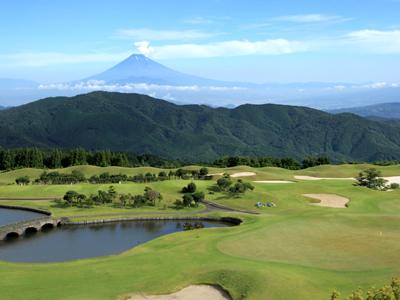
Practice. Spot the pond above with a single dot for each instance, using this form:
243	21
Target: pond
10	216
83	241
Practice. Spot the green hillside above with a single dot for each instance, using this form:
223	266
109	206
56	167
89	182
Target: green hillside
141	124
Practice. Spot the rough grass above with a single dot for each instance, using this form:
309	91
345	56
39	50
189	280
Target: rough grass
292	251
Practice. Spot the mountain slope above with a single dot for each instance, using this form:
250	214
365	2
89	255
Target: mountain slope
138	68
384	110
132	122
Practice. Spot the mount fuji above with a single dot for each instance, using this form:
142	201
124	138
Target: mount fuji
138	68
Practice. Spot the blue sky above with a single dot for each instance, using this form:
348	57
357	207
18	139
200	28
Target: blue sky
257	41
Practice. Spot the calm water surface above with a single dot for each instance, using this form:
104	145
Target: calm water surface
76	242
9	216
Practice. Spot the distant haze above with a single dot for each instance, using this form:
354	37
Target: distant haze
140	74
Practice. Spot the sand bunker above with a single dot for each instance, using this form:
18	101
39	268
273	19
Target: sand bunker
192	292
328	200
243	174
392	179
273	181
302	177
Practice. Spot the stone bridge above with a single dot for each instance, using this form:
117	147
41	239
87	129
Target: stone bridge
30	226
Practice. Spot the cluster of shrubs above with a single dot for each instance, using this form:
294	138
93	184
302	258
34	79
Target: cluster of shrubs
387	292
106	178
148	198
225	184
191	197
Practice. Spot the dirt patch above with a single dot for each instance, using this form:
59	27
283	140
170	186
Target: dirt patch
328	200
216	174
303	177
192	292
243	174
273	181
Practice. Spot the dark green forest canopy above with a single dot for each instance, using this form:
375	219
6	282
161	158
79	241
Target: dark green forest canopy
141	124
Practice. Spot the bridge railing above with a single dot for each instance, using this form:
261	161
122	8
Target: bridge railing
22	223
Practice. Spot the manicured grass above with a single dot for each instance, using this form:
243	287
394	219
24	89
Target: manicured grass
292	251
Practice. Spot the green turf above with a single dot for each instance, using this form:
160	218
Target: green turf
292	251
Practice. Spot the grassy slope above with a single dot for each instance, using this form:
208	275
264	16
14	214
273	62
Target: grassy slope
293	251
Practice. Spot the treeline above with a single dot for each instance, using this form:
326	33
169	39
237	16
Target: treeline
62	158
286	163
76	177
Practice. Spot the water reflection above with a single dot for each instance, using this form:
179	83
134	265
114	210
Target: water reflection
76	242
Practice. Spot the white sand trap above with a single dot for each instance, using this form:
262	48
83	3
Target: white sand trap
303	177
216	174
392	179
192	292
328	200
243	174
273	181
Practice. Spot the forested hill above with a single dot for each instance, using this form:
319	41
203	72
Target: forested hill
141	124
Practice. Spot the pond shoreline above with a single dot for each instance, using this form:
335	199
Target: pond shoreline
231	220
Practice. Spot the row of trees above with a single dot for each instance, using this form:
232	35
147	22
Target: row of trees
149	198
60	178
61	158
256	162
77	176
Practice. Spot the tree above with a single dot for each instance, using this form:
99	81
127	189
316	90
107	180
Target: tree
198	197
55	159
70	197
187	200
371	178
224	182
190	188
203	172
6	160
151	196
23	180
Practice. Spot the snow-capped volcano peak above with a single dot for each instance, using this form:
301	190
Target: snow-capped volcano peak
138	68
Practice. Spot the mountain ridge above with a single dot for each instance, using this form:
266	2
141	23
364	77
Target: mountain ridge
141	124
384	110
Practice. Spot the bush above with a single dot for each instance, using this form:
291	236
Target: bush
224	183
190	188
23	180
394	186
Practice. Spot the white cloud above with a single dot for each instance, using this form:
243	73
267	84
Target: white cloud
41	59
221	49
95	85
199	21
376	41
310	18
162	35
